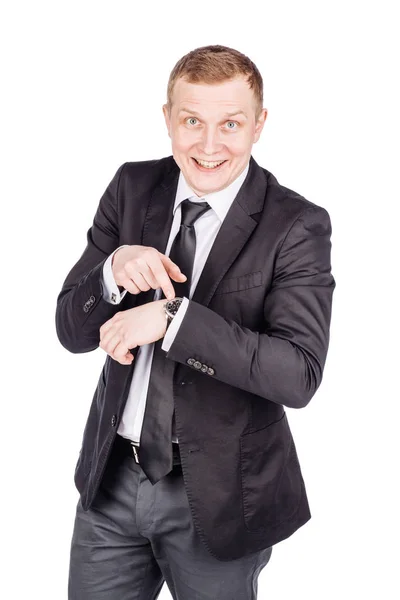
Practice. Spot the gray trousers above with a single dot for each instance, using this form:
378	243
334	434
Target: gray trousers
135	536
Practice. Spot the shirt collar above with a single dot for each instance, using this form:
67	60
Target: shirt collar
219	201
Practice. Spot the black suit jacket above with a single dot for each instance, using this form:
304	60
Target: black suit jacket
258	324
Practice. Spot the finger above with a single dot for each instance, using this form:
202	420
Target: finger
147	274
110	342
172	269
121	354
179	277
125	277
169	265
121	357
129	285
127	360
136	280
107	326
162	278
140	281
114	322
139	277
140	274
114	328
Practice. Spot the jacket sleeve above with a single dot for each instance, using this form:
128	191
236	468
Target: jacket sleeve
81	308
284	362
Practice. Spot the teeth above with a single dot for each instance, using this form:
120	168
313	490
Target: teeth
209	165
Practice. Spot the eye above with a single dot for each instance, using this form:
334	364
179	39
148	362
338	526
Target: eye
232	123
191	119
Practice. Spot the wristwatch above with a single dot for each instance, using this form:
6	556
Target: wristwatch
171	308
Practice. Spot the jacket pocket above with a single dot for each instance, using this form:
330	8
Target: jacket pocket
270	475
242	282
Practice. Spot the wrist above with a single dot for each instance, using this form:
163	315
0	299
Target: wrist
170	308
116	252
164	315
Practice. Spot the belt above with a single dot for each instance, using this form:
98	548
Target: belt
129	448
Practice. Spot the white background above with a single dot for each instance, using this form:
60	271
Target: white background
82	88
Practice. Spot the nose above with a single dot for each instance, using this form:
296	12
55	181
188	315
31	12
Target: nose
210	142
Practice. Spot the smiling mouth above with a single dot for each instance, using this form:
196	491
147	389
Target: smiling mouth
210	165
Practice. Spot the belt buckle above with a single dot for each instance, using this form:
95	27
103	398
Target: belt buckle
135	454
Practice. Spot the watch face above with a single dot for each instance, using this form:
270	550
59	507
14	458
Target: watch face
172	306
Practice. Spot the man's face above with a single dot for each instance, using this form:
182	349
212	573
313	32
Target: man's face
213	123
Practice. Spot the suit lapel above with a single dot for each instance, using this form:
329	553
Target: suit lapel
157	223
159	216
233	234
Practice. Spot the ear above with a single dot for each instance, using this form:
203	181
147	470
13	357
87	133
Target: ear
260	124
167	118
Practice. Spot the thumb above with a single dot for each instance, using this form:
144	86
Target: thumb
172	269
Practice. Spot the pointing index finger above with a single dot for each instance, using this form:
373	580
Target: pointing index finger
162	278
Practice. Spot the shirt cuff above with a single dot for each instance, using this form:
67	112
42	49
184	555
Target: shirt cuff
111	293
174	325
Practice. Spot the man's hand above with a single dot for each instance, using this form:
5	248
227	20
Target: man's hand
134	327
139	268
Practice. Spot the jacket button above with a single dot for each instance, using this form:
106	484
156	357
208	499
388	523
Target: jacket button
114	420
197	364
92	298
190	361
204	368
210	371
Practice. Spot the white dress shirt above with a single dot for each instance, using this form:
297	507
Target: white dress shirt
206	228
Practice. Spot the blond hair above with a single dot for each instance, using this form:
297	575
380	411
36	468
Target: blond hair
216	64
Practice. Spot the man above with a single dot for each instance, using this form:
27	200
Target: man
188	472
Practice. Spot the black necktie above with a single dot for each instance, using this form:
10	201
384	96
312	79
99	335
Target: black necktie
155	453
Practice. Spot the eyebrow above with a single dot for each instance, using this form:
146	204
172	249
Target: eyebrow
230	114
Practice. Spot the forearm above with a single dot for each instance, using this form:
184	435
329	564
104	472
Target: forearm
284	361
264	365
